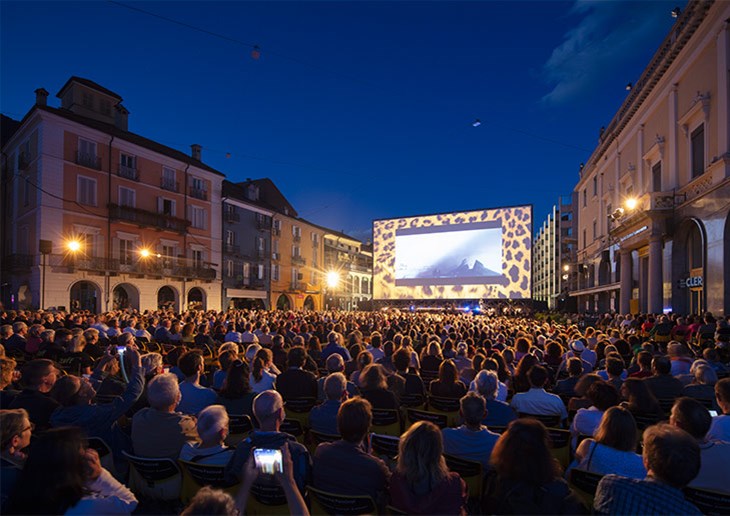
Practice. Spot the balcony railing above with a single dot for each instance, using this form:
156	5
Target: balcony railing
231	216
297	238
298	260
263	224
276	231
18	262
231	248
198	193
147	218
88	160
295	285
276	256
260	253
129	172
169	184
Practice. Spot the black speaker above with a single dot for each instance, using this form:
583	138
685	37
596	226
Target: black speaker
45	246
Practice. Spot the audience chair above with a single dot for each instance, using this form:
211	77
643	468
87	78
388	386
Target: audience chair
440	420
105	399
324	502
470	471
239	426
584	485
317	438
447	406
299	409
195	476
666	405
412	401
560	445
428	376
497	429
384	445
708	502
293	427
154	478
266	498
550	421
386	421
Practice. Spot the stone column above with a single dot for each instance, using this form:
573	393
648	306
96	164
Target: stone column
626	281
656	287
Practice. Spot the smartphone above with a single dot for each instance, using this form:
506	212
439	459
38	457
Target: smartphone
713	413
121	350
267	460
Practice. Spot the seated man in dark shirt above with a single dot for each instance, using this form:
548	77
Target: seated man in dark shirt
295	382
345	467
662	384
575	371
38	378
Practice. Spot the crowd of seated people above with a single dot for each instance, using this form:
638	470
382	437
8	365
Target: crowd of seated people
481	405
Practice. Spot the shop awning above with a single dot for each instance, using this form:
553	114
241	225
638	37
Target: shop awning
246	294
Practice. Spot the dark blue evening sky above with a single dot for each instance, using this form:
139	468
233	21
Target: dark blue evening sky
356	110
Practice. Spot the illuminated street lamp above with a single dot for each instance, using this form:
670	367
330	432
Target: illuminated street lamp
333	279
631	203
73	245
144	252
566	267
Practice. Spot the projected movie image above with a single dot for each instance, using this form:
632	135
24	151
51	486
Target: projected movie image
483	254
470	254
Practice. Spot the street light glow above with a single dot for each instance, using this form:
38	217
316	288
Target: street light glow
73	245
333	279
631	203
144	252
566	267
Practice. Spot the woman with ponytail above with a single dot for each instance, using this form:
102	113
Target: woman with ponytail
262	371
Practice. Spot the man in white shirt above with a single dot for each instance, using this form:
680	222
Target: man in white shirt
248	337
232	335
537	401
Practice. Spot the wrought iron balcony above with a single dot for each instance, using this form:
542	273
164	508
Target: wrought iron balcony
231	216
88	160
263	224
129	172
298	260
147	218
297	238
198	193
231	248
169	184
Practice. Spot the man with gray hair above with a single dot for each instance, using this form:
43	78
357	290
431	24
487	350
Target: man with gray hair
323	418
16	342
159	431
213	429
335	364
472	440
268	408
498	412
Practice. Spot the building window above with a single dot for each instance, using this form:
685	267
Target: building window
295	251
275	272
296	231
105	107
86	190
168	179
229	268
697	140
261	244
166	206
313	278
595	229
585	198
168	256
127	197
87	154
246	272
584	238
197	217
656	177
197	256
87	100
25	185
126	252
595	186
315	257
260	272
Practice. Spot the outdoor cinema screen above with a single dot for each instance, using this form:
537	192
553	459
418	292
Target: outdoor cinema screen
483	254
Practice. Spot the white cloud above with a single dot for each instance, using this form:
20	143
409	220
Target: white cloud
596	48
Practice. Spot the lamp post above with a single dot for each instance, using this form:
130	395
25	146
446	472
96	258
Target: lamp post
333	280
45	247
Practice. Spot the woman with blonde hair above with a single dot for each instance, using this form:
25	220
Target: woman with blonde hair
422	484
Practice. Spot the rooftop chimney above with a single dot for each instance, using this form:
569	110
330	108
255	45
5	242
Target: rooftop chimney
196	151
41	97
121	117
